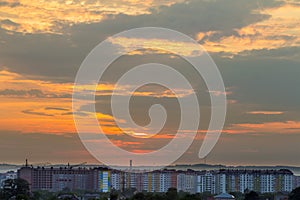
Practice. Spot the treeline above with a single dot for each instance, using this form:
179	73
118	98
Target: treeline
18	189
172	194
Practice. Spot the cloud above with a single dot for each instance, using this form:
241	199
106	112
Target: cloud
11	4
82	114
29	93
188	49
16	85
34	93
286	127
278	31
57	108
8	23
148	90
218	93
57	57
264	78
31	112
265	112
257	51
51	16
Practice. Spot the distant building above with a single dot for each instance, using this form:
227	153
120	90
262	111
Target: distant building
57	179
104	180
6	176
263	181
186	181
296	181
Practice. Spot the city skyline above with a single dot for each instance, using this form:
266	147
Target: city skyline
255	44
103	179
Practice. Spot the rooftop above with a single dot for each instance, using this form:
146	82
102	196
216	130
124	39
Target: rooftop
224	196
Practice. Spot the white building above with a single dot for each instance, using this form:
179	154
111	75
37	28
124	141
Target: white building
246	182
267	183
287	183
6	176
186	182
165	182
116	180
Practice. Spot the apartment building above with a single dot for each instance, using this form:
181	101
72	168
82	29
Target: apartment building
57	179
104	180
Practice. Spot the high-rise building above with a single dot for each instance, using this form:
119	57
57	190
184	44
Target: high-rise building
58	179
104	179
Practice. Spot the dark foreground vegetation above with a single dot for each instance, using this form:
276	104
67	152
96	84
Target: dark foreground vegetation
18	189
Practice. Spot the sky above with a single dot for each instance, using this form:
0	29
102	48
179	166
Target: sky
254	43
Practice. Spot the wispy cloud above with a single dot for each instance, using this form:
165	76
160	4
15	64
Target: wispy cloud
162	45
286	127
57	108
32	93
32	112
265	112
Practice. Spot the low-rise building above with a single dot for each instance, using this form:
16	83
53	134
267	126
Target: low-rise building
6	176
224	196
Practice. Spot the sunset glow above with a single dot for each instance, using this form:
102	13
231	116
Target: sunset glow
43	44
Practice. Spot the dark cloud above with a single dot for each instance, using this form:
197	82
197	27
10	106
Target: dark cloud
43	112
284	53
32	93
189	17
82	114
32	112
58	57
9	4
9	22
268	78
56	108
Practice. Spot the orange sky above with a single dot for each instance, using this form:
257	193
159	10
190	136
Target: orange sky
31	103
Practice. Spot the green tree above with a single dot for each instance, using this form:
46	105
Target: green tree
251	196
172	194
295	194
269	196
206	195
15	187
139	196
191	197
22	197
114	195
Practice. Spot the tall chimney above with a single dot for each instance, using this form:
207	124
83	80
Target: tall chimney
130	167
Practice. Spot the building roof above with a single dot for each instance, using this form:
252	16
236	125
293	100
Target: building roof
224	196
